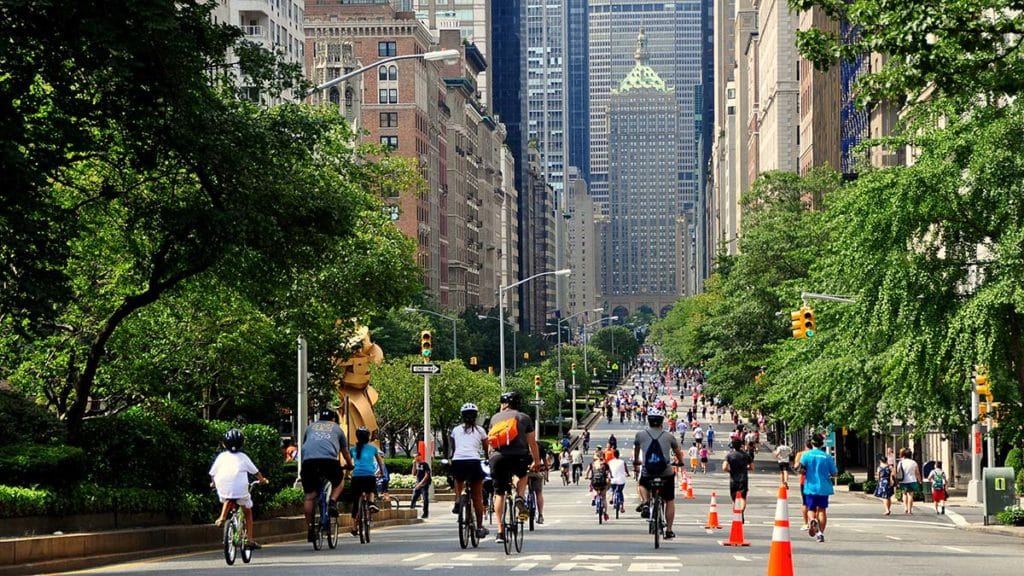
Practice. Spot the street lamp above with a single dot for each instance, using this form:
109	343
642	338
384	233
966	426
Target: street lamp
449	56
455	335
514	351
559	324
585	338
501	312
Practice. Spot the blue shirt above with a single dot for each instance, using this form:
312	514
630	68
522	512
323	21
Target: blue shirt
367	465
818	469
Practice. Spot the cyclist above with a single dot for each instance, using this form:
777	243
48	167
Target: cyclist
598	475
619	473
230	474
577	463
586	441
322	445
514	455
368	464
537	480
469	446
565	462
668	445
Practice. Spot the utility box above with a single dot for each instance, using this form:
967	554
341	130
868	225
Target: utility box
998	490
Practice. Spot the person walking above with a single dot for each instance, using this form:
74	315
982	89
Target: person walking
819	468
782	453
884	489
421	468
710	437
938	479
908	475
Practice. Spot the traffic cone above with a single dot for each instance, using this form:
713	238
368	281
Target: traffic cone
780	559
682	484
736	533
689	488
713	514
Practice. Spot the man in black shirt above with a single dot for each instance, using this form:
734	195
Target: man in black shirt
738	464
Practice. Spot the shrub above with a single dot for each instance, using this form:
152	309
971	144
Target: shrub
26	422
844	479
855	487
30	464
1015	459
91	499
287	497
15	501
869	486
1013	516
399	464
1020	483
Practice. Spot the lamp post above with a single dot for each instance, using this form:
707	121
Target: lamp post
598	321
455	335
501	312
558	323
449	56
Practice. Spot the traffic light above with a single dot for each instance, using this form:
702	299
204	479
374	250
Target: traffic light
982	409
472	361
426	343
526	355
536	383
797	323
809	328
981	384
573	367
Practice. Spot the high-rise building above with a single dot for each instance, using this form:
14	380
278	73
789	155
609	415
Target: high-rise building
723	204
819	103
539	216
473	20
778	88
704	124
546	102
578	89
582	246
646	238
744	142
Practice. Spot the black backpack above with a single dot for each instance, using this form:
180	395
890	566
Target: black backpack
599	477
655	462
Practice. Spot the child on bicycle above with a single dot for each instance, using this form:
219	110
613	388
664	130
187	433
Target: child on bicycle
598	475
367	466
230	474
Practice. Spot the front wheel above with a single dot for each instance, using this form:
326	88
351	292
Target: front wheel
463	524
364	520
656	523
230	551
519	534
509	525
332	532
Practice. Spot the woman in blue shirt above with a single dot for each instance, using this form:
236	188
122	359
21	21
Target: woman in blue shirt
367	464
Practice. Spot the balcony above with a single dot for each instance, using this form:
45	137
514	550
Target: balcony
254	33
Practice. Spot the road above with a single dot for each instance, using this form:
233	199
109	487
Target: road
860	540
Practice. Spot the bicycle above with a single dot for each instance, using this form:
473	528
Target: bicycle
531	504
361	523
235	534
512	524
577	469
565	475
656	523
467	520
326	525
600	506
618	500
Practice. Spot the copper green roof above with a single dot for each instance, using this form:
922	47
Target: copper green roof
642	76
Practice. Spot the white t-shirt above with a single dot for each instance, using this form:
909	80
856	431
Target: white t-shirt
698	433
468	445
577	456
693	451
618	470
782	453
230	472
910	471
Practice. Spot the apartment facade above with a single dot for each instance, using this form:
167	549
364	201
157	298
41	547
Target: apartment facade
820	103
472	18
276	25
778	88
582	246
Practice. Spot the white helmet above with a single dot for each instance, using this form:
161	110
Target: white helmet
468	407
655	416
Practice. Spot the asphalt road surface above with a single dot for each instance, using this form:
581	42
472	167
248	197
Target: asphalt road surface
860	540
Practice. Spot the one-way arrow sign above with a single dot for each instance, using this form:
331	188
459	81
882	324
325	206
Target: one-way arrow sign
425	368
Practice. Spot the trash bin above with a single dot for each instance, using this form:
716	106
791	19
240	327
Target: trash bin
998	490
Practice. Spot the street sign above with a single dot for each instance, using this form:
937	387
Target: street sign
595	381
574	386
560	386
425	368
538	402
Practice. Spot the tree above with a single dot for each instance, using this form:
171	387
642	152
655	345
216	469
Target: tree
618	343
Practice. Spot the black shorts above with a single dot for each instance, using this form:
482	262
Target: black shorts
505	466
360	485
742	487
784	467
467	470
536	482
316	470
668	486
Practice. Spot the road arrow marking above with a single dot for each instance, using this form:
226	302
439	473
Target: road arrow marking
444	566
647	567
593	557
592	566
955	549
524	566
742	558
418	557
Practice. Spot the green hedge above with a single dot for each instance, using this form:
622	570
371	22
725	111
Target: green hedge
26	422
38	464
89	499
398	464
1015	459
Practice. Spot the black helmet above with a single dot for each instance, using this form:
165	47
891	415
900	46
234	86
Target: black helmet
329	415
513	399
233	440
362	435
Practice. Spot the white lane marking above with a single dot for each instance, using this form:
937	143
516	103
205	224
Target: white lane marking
524	566
443	566
535	557
893	537
858	530
658	558
579	557
649	567
741	558
955	549
418	557
471	557
592	566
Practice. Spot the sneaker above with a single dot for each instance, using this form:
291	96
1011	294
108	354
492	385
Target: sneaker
524	512
540	519
332	508
640	507
311	534
355	530
457	507
253	545
669	534
943	510
374	508
821	537
425	516
804	527
481	532
646	512
812	529
499	539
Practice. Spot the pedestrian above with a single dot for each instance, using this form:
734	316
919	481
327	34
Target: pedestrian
704	459
291	451
782	453
422	488
698	435
709	436
803	478
738	464
884	488
890	457
694	453
819	468
908	476
938	479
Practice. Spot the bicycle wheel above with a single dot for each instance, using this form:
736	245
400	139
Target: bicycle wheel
230	551
508	520
471	526
656	521
519	534
332	530
364	514
600	510
531	505
463	523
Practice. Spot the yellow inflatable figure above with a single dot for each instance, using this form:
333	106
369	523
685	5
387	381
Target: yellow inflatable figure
354	391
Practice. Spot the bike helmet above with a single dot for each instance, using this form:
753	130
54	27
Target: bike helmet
362	435
469	412
513	399
233	440
329	415
655	417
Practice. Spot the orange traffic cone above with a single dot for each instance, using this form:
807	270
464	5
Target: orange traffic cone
736	533
689	488
713	514
682	484
780	559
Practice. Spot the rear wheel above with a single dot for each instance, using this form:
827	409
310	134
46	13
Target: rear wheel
463	524
656	522
332	532
509	524
230	551
364	514
531	504
470	511
519	534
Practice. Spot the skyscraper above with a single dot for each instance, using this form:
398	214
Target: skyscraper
473	20
646	235
578	90
545	86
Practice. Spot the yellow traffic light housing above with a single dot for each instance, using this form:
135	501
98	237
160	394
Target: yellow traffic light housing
981	383
473	361
809	327
526	355
426	343
536	383
982	409
797	323
573	367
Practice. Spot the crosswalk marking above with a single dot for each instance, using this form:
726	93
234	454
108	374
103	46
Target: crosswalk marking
893	537
524	566
591	566
741	558
648	567
418	557
955	549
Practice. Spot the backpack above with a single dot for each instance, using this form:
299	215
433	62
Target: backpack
939	480
599	477
655	462
503	433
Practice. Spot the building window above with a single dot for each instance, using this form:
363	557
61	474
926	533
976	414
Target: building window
389	141
382	73
393	96
392	73
389	119
388	48
335	96
382	96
